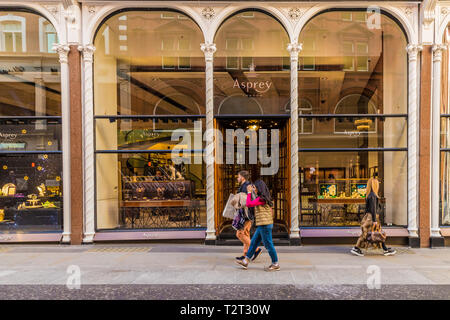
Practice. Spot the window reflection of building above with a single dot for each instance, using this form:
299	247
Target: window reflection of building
305	126
13	33
355	104
251	65
47	36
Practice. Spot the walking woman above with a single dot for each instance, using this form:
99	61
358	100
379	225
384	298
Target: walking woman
371	217
264	224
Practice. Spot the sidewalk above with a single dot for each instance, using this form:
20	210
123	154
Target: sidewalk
130	266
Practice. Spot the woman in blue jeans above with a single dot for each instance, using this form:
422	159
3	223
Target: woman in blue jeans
264	224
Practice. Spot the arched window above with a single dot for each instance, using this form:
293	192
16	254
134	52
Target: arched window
31	189
356	78
149	83
305	126
47	36
251	65
355	104
13	33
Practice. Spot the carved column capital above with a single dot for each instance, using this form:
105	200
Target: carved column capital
413	51
88	52
437	51
208	49
63	51
294	47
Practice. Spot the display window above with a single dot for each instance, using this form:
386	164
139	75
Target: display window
30	125
354	77
149	100
445	135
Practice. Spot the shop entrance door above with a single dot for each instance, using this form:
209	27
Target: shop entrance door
278	183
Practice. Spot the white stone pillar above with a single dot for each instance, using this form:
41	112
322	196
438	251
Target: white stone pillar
88	144
413	122
435	136
294	49
209	49
63	51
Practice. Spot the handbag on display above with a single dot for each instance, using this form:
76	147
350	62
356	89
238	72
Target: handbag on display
229	211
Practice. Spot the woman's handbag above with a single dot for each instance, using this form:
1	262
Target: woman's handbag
376	235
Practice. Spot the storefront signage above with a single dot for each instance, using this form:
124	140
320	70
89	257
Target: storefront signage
352	133
259	86
12	146
8	136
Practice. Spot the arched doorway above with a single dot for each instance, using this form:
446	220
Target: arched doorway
251	90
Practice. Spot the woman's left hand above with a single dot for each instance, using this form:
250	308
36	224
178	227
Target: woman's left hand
249	188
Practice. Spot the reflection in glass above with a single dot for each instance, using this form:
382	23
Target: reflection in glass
150	134
251	66
149	64
31	135
385	133
30	82
345	67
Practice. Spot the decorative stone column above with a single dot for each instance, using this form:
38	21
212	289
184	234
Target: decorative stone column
436	240
413	52
294	235
88	145
209	49
63	51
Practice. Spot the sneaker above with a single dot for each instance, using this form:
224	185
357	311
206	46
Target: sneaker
273	267
240	258
357	251
389	252
257	253
242	263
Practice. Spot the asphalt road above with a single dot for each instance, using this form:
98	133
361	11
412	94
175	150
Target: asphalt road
224	292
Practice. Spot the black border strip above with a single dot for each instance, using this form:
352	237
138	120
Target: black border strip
151	151
352	115
31	152
349	149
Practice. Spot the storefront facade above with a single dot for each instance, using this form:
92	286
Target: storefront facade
343	89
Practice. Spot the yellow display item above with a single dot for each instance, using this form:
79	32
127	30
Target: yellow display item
2	214
363	121
9	189
48	204
362	128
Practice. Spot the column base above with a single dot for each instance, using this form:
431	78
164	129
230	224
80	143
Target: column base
295	241
414	242
66	238
437	242
88	238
